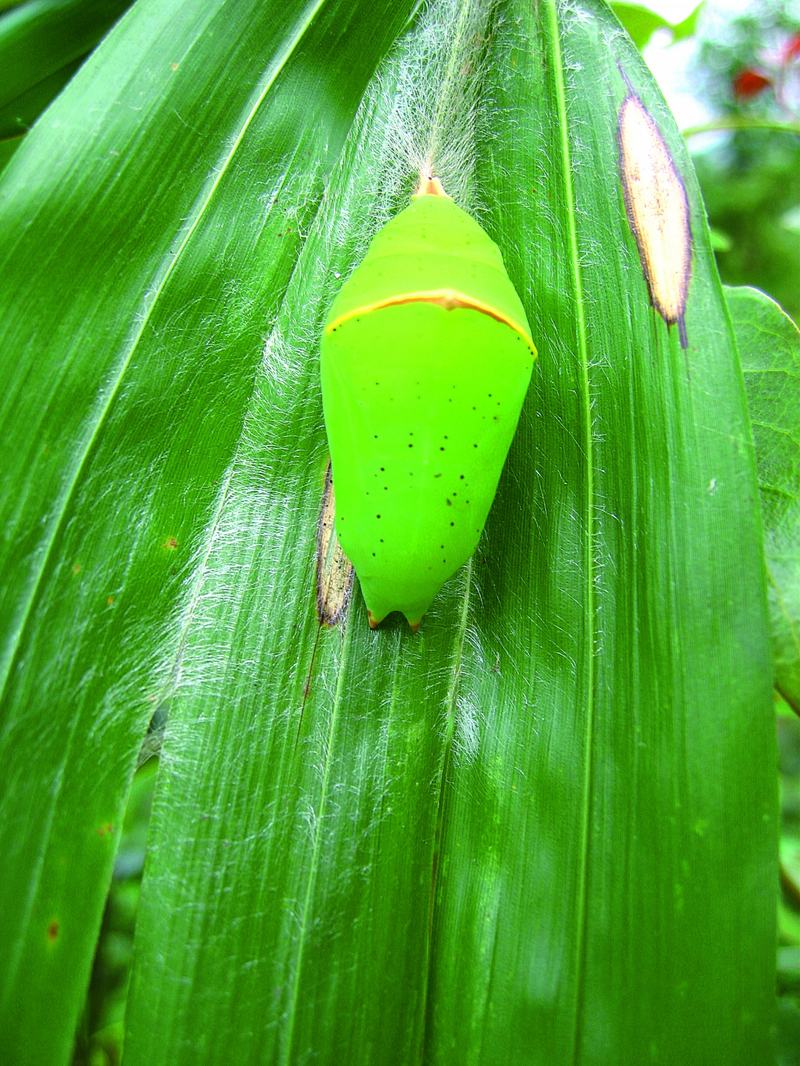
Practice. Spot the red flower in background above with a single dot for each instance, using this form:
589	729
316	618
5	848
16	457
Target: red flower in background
791	50
749	83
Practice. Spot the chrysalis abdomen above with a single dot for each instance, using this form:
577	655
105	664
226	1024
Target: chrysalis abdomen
426	358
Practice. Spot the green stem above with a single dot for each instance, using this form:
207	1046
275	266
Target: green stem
742	124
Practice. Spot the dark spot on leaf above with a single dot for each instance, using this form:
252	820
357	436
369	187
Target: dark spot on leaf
53	930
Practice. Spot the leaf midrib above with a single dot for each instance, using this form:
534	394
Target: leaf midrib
589	561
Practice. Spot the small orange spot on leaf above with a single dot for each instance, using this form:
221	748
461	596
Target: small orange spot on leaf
76	568
53	930
110	601
174	66
171	544
105	830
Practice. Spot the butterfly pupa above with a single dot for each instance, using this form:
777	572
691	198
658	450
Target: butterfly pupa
426	357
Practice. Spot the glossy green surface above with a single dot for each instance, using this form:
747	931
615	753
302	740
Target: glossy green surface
543	829
421	404
421	401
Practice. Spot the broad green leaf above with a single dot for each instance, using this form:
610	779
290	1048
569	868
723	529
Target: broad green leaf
531	833
769	347
121	440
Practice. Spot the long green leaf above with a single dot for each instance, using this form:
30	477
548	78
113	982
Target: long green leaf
769	346
535	831
118	440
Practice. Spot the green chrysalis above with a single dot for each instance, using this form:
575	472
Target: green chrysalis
426	359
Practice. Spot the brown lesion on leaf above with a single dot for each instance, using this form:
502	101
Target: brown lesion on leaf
658	210
171	544
104	830
334	569
53	930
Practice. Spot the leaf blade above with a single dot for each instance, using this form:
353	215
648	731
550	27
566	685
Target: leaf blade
769	346
89	617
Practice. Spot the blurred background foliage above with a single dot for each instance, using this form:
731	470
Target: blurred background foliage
730	70
748	70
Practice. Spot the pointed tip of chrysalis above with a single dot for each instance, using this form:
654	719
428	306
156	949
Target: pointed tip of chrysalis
429	185
374	621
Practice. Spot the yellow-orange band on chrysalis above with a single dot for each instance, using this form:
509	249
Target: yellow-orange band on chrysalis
449	299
